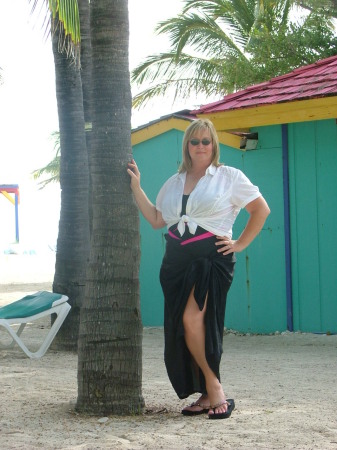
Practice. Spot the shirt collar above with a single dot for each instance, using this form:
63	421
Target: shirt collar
210	170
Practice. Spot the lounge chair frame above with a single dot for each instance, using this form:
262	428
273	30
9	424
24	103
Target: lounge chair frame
60	307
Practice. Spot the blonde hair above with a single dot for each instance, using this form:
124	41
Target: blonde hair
193	128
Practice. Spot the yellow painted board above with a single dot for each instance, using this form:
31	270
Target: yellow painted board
290	112
157	128
8	196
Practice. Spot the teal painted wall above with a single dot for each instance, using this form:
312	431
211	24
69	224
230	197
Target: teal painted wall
257	298
313	200
157	159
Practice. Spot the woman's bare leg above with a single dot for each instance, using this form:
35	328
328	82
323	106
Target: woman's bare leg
195	333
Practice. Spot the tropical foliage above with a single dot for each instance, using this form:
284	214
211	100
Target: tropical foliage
64	15
52	169
328	6
220	46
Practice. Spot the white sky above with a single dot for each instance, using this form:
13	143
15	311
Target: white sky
28	110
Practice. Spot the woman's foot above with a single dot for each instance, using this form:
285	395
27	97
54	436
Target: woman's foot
201	406
229	405
217	399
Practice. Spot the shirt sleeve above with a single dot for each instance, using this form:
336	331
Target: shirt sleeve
159	200
243	190
160	196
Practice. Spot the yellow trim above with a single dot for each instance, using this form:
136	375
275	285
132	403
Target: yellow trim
290	112
157	128
243	119
164	125
9	197
232	140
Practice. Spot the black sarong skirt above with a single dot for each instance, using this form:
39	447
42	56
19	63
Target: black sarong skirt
198	265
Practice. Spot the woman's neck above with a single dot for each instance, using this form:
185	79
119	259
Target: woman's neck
198	170
192	178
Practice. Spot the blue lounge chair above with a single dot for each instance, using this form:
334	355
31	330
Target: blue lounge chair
28	309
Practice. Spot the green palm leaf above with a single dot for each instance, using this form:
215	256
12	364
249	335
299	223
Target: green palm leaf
52	169
178	76
65	14
202	33
219	46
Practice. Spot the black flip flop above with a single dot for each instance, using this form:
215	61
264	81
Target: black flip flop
230	407
204	410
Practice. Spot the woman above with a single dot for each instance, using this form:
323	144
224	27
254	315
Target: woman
199	205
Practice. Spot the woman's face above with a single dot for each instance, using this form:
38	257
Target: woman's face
200	147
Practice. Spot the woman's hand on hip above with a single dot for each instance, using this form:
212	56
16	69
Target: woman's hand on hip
227	246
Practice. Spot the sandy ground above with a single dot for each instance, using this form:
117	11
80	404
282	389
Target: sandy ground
284	387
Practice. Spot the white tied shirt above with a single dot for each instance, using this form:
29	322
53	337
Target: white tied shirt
213	204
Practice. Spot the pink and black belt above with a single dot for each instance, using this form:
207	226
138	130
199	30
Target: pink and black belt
200	237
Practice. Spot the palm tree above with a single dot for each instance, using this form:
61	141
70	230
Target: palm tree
216	46
110	339
110	353
65	16
329	6
73	238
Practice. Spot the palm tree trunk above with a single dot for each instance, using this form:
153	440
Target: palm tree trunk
86	71
73	239
110	353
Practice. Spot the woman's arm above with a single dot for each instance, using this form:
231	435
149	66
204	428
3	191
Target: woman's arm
258	211
149	211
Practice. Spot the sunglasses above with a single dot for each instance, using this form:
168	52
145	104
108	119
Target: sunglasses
196	142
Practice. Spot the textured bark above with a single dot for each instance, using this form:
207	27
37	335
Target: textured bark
73	239
110	353
86	71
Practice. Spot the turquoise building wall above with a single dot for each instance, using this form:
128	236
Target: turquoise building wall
313	205
157	158
257	300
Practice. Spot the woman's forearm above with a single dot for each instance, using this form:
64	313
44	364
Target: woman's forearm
257	218
258	212
147	208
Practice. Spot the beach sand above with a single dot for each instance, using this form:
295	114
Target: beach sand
284	387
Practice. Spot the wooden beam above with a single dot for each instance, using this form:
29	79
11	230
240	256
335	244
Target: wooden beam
290	112
158	127
231	140
162	126
9	197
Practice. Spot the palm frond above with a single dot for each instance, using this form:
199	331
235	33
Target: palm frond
68	15
155	66
65	16
234	13
202	33
216	47
52	169
173	89
179	78
328	6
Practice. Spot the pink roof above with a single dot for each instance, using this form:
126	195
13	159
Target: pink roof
307	82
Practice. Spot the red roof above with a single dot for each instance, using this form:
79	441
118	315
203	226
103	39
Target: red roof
307	82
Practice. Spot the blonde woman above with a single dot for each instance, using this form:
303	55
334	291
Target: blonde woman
199	205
